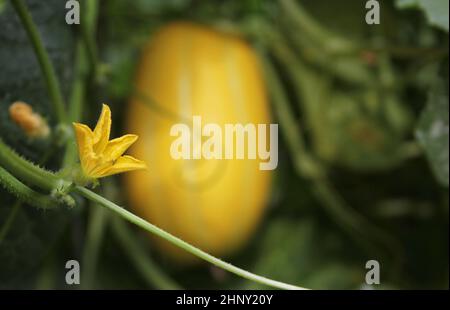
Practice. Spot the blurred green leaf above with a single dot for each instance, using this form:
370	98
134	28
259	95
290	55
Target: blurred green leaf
436	11
302	252
32	232
2	5
433	132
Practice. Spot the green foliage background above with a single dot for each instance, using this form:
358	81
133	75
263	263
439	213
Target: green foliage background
400	184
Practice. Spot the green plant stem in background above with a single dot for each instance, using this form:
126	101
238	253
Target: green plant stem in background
76	103
88	32
79	84
353	222
332	42
49	74
48	275
178	242
158	108
86	63
141	259
303	162
98	219
307	166
137	253
92	15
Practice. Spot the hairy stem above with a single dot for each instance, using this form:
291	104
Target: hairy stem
180	243
23	192
25	170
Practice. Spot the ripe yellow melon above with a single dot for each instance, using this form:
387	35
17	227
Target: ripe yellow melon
186	70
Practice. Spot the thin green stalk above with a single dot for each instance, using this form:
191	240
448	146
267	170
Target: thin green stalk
39	178
351	220
408	52
88	31
76	102
158	108
141	259
91	13
78	86
180	243
83	60
307	24
48	71
90	47
48	274
291	130
95	231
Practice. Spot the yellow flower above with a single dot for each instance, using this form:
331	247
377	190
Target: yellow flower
101	157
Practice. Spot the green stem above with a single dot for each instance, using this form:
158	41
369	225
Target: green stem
12	215
158	108
141	259
292	132
48	274
25	170
178	242
90	47
92	14
88	30
51	79
86	60
78	87
306	23
408	52
76	103
350	220
23	192
38	178
96	228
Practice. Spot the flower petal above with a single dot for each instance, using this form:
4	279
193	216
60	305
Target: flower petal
123	164
116	147
100	168
100	157
102	129
84	138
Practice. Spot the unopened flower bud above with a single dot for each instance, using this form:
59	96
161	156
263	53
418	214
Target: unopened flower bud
33	124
